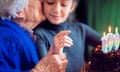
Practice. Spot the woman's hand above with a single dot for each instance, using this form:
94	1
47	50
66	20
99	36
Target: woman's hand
51	63
62	40
56	60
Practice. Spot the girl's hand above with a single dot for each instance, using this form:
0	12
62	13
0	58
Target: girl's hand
62	40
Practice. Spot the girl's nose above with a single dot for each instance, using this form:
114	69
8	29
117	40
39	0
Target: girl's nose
57	8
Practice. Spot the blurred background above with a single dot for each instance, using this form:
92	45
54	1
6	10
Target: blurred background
99	14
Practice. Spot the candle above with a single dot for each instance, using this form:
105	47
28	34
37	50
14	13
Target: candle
110	39
109	29
116	39
116	30
104	33
104	44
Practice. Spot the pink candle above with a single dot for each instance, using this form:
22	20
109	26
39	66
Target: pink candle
104	43
110	40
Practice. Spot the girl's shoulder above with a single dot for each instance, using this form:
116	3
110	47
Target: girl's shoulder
79	24
39	30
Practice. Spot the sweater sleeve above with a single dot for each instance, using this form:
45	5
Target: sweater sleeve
41	43
92	37
9	63
4	64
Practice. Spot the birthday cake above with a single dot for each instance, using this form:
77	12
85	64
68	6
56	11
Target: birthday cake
105	57
104	62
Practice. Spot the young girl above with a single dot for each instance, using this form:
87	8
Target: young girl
62	34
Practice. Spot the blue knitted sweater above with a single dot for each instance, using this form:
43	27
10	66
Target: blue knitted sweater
17	50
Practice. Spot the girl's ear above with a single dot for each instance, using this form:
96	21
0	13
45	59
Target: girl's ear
73	7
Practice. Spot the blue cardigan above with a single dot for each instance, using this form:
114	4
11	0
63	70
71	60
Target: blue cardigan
17	50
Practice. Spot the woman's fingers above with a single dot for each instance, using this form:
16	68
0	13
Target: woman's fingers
51	63
62	62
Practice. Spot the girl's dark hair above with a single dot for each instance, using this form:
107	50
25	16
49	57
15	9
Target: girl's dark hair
72	16
77	1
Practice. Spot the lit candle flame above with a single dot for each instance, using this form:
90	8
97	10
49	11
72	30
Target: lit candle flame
116	29
109	29
104	33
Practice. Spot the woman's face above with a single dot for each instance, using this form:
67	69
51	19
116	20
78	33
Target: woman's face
57	11
31	16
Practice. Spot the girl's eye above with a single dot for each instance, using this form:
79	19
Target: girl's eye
64	5
50	3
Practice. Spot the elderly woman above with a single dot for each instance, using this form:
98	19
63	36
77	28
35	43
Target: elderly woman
17	50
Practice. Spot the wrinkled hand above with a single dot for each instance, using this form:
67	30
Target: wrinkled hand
51	63
61	40
56	60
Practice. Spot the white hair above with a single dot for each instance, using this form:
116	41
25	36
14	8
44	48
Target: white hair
12	6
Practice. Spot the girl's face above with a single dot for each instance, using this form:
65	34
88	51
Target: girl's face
57	11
